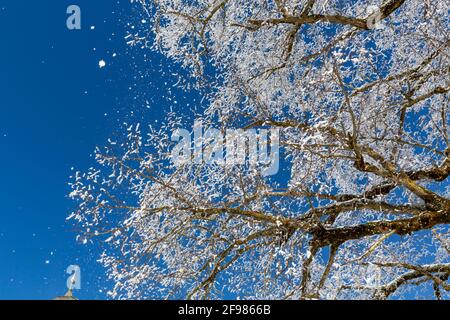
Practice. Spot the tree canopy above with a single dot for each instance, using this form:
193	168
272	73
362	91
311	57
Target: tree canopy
359	91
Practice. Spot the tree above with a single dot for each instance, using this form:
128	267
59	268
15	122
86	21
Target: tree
359	91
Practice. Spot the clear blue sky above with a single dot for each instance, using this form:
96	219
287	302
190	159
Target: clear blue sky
56	105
